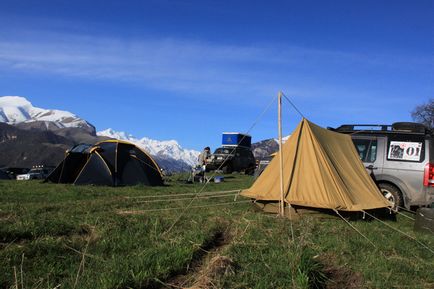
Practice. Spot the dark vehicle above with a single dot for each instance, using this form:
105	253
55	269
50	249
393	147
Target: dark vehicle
232	159
400	158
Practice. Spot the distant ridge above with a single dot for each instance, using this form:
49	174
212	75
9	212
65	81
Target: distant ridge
169	154
266	147
31	134
24	148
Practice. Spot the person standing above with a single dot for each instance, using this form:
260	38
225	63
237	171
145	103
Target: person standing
203	156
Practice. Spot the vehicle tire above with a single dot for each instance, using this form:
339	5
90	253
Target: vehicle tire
392	193
227	169
250	170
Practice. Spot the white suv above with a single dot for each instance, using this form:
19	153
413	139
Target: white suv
37	173
399	157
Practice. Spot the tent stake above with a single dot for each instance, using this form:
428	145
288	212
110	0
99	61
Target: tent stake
279	107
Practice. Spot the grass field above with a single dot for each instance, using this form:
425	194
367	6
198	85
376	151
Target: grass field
63	236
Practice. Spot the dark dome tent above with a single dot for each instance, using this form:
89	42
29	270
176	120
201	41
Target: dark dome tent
108	163
67	171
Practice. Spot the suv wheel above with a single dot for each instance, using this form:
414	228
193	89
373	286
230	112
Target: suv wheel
392	194
250	170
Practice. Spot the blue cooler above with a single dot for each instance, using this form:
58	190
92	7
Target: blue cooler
234	139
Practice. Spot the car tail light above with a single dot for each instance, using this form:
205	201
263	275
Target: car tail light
428	177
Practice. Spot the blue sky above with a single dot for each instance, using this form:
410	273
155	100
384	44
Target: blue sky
189	70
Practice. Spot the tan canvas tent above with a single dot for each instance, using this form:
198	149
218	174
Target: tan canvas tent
321	169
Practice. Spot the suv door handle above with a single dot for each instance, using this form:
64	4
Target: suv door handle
371	167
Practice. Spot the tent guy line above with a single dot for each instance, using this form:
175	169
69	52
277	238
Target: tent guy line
187	199
399	231
355	229
405	216
187	194
407	210
141	212
293	105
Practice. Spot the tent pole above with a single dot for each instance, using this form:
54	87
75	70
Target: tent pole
279	107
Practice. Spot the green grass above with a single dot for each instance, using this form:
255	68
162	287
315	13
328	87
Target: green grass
74	236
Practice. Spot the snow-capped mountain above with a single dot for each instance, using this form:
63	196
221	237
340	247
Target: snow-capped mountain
21	114
15	110
169	152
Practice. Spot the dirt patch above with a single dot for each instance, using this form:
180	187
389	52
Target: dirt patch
206	266
218	266
85	236
339	277
88	233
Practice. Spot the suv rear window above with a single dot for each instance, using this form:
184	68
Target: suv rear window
406	148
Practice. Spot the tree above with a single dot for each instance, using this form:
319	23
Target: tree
424	113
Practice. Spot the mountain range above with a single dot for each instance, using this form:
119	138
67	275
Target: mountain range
169	154
32	136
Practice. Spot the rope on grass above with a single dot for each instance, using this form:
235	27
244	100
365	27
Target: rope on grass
403	233
404	215
184	199
355	229
140	212
407	210
186	194
214	174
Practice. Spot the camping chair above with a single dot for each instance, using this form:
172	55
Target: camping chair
197	174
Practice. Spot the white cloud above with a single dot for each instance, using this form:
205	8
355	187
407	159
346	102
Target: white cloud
166	64
196	68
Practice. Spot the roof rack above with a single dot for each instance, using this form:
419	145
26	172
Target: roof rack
401	127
